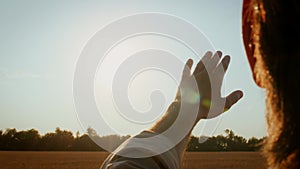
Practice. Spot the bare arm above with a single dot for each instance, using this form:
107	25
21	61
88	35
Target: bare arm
198	97
208	75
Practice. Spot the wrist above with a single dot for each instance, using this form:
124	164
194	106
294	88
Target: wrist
166	121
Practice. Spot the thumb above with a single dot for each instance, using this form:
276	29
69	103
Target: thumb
232	98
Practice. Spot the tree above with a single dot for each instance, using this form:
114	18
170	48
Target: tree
255	143
63	140
77	134
9	142
235	142
60	140
193	144
85	143
27	140
111	141
91	132
1	140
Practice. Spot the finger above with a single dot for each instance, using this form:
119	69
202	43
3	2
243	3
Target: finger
200	66
225	62
187	69
232	98
189	63
185	75
222	68
211	65
207	56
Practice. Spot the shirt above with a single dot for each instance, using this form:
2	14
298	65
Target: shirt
137	153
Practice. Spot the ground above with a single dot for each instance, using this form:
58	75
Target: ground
93	160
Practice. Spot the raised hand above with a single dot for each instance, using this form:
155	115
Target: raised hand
208	74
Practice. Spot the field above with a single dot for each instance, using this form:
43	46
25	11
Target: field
93	160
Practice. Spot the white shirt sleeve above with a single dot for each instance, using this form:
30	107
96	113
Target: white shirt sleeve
137	154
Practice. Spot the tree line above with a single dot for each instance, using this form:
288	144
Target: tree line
228	142
63	140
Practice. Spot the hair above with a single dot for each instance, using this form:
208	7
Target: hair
275	42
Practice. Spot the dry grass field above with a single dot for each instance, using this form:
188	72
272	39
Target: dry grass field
93	160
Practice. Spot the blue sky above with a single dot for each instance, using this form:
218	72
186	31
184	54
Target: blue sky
42	40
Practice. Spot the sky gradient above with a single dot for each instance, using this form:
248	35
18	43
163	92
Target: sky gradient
41	42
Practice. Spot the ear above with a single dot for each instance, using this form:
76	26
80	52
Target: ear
246	33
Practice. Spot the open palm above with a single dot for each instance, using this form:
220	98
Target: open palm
208	74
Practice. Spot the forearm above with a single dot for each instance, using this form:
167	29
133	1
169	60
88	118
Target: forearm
167	121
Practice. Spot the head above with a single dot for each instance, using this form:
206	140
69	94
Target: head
271	35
